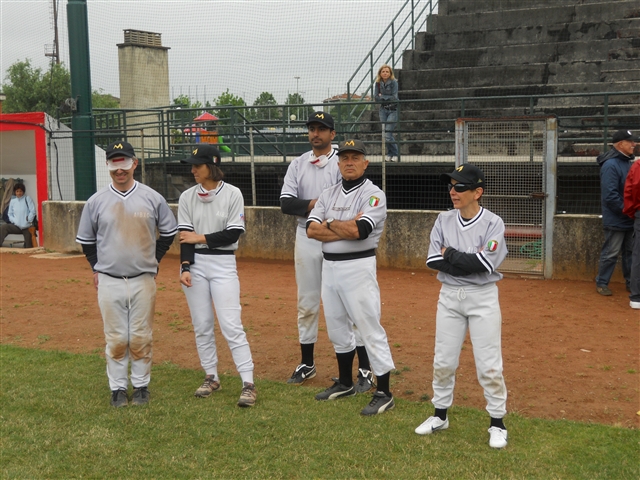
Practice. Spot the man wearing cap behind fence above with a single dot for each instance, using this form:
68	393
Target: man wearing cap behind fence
117	232
618	227
348	219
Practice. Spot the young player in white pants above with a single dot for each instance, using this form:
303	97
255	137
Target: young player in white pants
210	220
467	245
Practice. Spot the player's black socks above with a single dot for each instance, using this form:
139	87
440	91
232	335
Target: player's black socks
441	413
383	383
307	353
345	365
497	422
363	358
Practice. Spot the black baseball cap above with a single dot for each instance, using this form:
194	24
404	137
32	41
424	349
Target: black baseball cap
467	174
120	149
352	146
621	135
322	118
204	153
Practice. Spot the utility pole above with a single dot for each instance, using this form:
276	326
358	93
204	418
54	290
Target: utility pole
297	97
56	44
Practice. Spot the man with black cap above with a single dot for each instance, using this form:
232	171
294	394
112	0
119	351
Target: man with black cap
467	246
348	219
618	227
306	178
211	220
117	232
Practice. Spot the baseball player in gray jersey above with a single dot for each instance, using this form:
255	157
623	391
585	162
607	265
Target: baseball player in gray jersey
306	178
117	232
348	219
467	245
210	220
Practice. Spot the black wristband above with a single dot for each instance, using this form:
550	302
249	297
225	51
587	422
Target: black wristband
185	267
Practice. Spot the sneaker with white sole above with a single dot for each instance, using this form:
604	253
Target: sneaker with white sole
302	373
432	424
365	381
335	391
248	395
634	305
209	386
380	403
497	437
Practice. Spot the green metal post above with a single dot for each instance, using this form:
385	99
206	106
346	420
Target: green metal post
606	121
82	120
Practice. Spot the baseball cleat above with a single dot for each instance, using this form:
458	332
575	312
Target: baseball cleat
365	381
119	398
302	373
140	396
335	391
248	395
497	437
209	386
380	403
432	424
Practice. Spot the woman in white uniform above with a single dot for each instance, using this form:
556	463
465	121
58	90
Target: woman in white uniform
210	220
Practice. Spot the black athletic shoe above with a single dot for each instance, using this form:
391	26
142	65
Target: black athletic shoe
119	398
337	390
302	373
140	396
380	403
365	381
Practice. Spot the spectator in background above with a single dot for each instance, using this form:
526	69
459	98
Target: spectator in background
386	93
21	213
632	209
618	227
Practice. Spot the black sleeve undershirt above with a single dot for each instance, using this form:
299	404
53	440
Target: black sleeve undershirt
91	252
163	243
214	240
294	206
446	267
469	262
364	229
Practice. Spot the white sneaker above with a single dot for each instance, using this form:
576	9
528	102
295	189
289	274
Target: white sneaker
432	424
389	158
497	437
634	305
393	159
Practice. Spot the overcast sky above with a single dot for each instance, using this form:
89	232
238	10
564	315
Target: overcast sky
247	46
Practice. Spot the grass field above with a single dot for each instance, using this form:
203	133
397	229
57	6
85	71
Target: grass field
57	423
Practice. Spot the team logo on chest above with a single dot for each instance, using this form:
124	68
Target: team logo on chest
492	246
374	201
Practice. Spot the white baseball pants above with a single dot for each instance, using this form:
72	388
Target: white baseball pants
214	278
351	299
127	306
308	265
477	309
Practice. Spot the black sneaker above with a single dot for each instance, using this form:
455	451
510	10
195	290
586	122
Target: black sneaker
119	398
380	403
140	396
302	373
337	390
365	381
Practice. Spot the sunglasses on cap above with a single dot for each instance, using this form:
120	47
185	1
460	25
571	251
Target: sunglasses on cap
461	187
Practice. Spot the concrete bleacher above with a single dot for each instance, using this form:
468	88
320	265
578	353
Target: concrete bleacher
485	48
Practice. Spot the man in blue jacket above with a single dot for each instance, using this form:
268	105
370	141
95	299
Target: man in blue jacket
618	228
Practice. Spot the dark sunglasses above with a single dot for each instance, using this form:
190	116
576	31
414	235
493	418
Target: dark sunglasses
460	187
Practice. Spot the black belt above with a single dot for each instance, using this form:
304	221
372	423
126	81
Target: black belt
338	257
389	107
122	276
215	251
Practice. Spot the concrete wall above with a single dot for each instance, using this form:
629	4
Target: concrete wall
404	244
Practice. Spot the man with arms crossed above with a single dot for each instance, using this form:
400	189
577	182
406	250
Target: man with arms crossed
307	176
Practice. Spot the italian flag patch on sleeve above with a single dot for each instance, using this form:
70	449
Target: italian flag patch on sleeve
492	246
374	201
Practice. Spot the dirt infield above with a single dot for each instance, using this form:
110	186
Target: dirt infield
568	352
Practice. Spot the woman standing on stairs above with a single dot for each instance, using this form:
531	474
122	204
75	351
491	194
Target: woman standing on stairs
386	93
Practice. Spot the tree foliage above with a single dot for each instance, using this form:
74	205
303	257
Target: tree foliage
30	89
301	111
266	99
229	99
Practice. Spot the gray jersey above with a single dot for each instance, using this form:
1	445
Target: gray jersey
123	228
342	205
482	235
307	181
225	212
